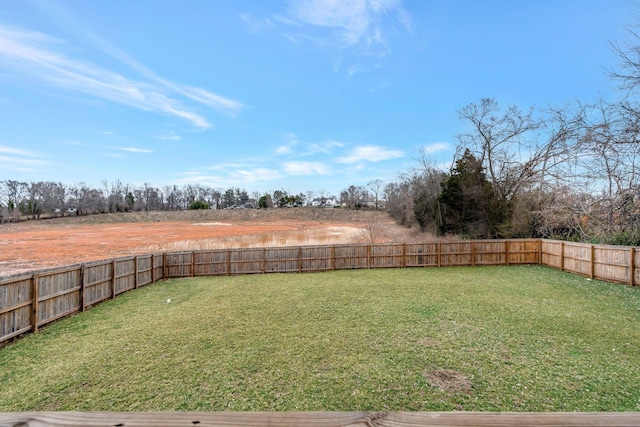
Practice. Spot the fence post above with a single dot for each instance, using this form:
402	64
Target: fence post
82	273
193	264
632	266
35	280
439	253
473	252
164	265
404	255
368	256
506	251
539	251
299	259
153	268
135	274
593	263
264	260
333	257
113	279
562	256
228	262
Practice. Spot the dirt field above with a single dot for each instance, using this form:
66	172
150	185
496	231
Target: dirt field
33	245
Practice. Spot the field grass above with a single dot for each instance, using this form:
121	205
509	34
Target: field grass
304	237
479	339
233	215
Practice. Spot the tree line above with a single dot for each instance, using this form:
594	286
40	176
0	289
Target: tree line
21	200
570	173
33	200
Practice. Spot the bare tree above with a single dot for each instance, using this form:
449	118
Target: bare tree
106	194
560	152
375	186
115	194
353	196
216	198
86	199
172	197
373	230
310	196
59	193
190	194
322	195
399	196
628	69
12	193
503	142
152	197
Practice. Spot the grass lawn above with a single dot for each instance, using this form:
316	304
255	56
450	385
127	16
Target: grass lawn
479	339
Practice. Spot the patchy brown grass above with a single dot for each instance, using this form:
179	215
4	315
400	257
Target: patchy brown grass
449	380
233	215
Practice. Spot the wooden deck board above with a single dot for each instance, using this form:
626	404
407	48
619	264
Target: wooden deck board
324	419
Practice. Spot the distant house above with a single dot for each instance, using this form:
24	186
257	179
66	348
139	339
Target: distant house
331	202
325	202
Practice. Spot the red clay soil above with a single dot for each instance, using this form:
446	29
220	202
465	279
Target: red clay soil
34	245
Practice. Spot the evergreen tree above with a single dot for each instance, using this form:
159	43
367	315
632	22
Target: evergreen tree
468	204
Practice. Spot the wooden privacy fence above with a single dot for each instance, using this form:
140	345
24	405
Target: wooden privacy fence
32	300
340	257
620	264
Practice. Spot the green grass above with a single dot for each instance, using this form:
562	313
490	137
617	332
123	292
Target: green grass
479	339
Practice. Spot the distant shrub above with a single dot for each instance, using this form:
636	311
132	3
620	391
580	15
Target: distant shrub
624	239
198	204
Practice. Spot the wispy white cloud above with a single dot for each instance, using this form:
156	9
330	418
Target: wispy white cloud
223	166
436	146
230	176
26	170
19	159
217	102
255	25
134	150
353	22
80	31
306	168
370	153
325	147
363	25
287	147
284	149
259	174
10	162
307	148
42	58
248	172
170	137
17	151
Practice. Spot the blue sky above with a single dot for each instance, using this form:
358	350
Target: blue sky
308	95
